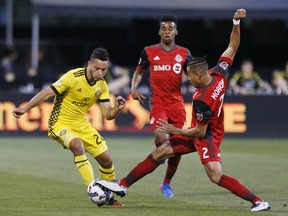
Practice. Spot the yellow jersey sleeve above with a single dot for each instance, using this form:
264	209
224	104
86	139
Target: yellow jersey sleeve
63	84
104	96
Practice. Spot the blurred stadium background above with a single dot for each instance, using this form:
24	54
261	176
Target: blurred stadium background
52	36
68	30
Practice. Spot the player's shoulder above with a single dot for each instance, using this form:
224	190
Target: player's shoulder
222	67
214	90
102	84
201	100
74	73
102	81
77	72
152	47
182	50
181	47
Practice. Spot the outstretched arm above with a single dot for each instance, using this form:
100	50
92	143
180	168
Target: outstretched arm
35	101
235	34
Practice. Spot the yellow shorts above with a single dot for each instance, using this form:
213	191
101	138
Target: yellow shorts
94	143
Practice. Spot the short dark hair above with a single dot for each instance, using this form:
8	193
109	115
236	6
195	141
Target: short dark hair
199	63
168	18
100	53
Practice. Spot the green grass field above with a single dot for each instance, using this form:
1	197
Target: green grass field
38	178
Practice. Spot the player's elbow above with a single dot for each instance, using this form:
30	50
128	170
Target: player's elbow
200	133
234	47
110	115
48	93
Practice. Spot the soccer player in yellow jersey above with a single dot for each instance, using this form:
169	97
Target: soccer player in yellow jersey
75	92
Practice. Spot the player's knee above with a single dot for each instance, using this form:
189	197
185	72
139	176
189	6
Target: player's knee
77	147
107	163
214	177
214	171
162	151
160	138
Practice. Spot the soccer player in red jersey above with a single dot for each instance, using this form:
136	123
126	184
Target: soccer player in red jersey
207	129
165	61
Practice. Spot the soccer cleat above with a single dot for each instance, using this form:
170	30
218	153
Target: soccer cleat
114	202
112	186
260	206
167	190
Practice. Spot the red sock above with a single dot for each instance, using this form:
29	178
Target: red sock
171	168
238	189
143	168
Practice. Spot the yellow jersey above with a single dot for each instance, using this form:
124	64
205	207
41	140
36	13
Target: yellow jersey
75	96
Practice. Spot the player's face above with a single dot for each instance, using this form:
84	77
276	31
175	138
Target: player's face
97	69
167	32
193	77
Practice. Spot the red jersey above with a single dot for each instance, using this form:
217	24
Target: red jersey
166	69
208	102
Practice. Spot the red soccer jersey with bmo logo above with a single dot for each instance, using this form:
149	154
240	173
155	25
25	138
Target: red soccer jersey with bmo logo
166	69
208	102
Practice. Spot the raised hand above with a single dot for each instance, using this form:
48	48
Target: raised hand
239	14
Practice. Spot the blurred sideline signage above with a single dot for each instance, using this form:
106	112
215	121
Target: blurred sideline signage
245	116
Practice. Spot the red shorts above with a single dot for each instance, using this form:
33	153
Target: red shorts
207	150
182	145
174	117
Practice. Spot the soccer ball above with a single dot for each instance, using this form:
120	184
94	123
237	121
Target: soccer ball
98	195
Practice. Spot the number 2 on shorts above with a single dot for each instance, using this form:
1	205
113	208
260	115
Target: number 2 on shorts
205	151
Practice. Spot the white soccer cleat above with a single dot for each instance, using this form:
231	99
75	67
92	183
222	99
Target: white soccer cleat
112	186
260	206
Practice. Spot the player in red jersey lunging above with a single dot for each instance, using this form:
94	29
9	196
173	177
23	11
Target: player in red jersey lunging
165	61
207	129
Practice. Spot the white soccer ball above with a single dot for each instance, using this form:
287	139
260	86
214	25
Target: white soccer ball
98	195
